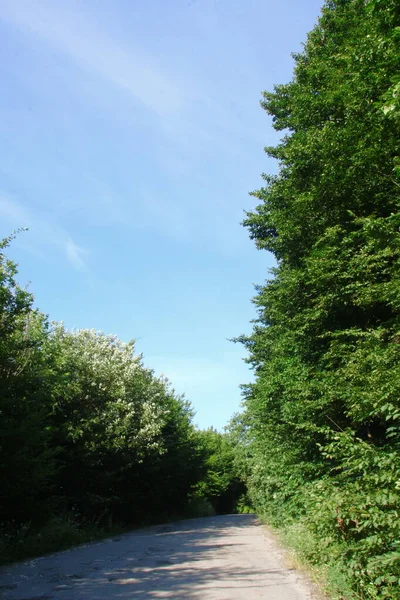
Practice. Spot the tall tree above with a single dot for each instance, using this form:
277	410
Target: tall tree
325	346
86	429
26	456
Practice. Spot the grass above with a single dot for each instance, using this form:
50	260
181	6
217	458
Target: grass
304	552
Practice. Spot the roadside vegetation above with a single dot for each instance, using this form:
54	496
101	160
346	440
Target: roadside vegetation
319	436
92	441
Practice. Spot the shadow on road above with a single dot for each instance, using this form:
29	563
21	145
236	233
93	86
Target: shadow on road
197	558
173	562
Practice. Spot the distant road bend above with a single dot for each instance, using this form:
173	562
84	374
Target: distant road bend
226	557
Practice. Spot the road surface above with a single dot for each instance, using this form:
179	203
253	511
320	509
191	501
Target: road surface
228	557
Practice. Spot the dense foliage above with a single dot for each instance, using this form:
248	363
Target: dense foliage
91	440
90	435
320	432
87	432
222	484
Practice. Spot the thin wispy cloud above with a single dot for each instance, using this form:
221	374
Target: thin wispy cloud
178	113
45	235
130	137
75	254
186	105
76	36
12	211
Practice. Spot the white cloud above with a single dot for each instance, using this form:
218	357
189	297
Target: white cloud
189	125
75	254
186	104
126	68
45	235
13	212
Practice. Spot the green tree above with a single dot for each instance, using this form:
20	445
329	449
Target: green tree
26	456
89	435
221	484
324	410
124	436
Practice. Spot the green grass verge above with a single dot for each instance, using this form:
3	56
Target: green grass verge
306	554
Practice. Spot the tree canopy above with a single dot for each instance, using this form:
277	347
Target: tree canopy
87	431
322	418
91	439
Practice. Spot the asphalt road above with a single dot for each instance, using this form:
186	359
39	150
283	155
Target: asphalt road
228	557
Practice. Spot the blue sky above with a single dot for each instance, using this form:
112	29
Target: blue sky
130	136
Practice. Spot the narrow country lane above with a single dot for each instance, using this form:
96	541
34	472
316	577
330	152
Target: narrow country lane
223	558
